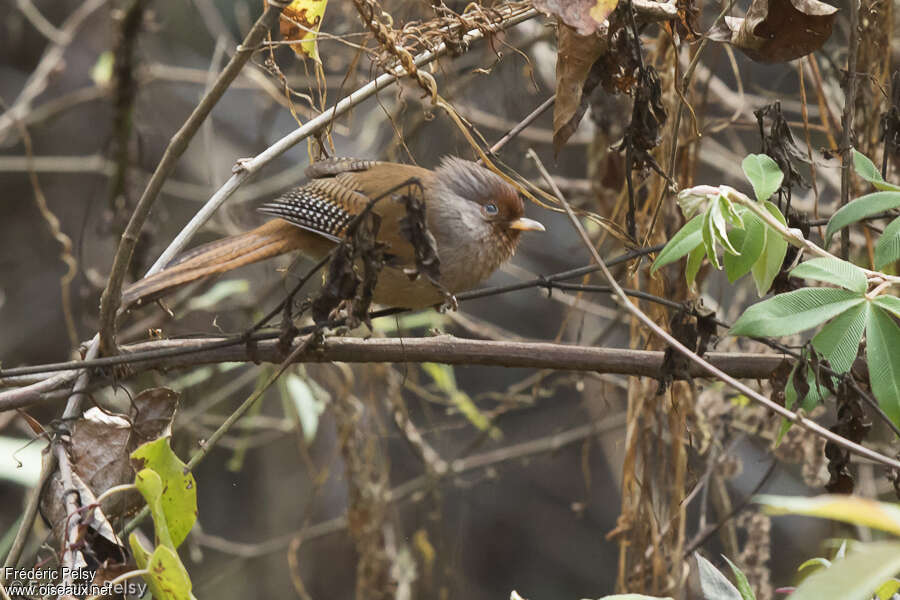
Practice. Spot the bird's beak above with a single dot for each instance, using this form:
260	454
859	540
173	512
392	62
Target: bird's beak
524	224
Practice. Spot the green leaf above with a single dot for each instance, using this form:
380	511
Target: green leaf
169	575
149	484
714	585
891	303
855	510
821	562
863	207
732	214
750	242
887	248
719	228
833	270
883	354
767	267
709	239
695	259
854	577
888	589
141	554
179	496
866	169
839	340
795	311
764	175
743	585
686	239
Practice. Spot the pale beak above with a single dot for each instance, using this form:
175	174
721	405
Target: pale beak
524	224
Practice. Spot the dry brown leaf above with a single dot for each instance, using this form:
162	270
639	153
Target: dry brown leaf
585	16
99	450
96	535
574	59
778	30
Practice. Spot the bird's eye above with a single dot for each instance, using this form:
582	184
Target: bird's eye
491	209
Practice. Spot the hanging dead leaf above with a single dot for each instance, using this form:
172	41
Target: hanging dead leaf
574	59
778	30
585	16
299	23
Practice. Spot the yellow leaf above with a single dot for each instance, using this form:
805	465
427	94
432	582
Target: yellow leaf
850	509
300	24
602	9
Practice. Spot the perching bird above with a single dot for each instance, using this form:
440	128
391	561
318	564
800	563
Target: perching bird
474	215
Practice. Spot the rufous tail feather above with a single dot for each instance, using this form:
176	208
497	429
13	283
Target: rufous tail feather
270	239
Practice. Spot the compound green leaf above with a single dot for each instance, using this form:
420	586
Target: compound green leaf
839	340
866	206
887	248
883	355
889	303
795	311
866	169
833	270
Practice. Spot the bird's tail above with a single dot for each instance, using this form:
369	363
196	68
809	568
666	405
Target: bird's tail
270	239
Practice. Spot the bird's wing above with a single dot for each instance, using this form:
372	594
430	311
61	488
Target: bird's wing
326	205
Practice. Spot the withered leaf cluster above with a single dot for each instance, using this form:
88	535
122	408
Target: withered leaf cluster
98	450
352	273
414	228
778	30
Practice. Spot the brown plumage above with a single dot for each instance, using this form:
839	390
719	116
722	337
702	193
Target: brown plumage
474	215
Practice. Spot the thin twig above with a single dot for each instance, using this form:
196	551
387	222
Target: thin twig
531	118
50	61
847	120
65	242
40	22
48	467
91	362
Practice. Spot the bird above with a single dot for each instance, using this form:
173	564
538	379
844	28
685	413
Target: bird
474	217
